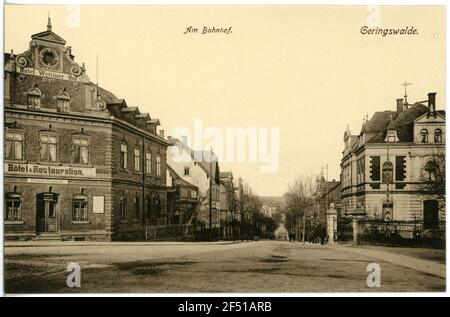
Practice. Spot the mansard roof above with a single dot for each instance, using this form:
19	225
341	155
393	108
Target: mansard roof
403	122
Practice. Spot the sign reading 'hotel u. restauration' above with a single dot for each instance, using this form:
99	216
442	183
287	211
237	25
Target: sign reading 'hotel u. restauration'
48	170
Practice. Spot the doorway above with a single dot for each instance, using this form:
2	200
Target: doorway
46	212
430	214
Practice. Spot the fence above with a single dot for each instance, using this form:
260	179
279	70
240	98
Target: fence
168	232
398	232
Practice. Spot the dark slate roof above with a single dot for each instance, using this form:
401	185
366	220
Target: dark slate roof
107	96
131	109
375	129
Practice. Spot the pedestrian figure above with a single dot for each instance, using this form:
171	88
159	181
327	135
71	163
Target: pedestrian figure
293	237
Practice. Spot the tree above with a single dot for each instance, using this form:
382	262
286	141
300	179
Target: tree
432	177
300	200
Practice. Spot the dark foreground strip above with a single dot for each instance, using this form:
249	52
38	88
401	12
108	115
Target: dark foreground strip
205	306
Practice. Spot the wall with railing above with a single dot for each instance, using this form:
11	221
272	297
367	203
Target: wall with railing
405	232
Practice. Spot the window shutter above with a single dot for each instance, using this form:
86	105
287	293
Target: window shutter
400	168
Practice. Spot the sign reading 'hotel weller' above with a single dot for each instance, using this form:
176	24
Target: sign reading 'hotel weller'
45	73
48	170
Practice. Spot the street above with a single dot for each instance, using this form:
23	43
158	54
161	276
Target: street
260	266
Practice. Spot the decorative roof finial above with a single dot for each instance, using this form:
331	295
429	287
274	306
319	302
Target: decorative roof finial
405	84
49	23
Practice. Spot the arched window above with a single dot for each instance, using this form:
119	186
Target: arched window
424	136
148	210
62	99
156	206
123	208
34	98
437	136
430	169
136	208
388	172
13	207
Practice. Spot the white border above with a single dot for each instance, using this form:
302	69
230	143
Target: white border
232	2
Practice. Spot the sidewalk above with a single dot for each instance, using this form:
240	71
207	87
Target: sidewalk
101	243
426	266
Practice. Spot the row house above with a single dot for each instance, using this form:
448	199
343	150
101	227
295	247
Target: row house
384	168
327	193
182	199
79	164
200	169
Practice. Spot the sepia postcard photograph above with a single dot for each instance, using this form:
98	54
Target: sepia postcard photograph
223	149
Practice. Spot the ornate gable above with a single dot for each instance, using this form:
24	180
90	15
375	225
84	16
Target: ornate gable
48	56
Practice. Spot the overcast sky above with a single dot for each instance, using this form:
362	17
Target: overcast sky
307	70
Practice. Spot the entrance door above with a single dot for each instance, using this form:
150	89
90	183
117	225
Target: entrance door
430	214
46	212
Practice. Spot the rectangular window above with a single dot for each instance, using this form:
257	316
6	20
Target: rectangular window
123	156
81	150
375	168
80	208
137	160
158	165
148	163
14	146
400	168
123	209
49	147
13	209
186	171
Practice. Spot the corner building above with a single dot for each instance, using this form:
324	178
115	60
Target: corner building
79	164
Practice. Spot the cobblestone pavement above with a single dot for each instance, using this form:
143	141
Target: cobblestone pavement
262	266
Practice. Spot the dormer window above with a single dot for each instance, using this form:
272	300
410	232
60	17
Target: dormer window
63	99
424	136
391	136
34	98
437	136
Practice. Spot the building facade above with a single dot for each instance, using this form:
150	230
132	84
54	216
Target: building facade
201	169
182	199
384	167
228	208
79	164
327	193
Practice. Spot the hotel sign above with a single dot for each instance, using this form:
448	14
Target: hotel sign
45	73
48	170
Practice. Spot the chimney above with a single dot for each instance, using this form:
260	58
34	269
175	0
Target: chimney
399	105
432	102
161	133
